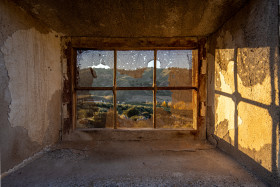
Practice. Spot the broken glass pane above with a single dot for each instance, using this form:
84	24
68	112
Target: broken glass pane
95	68
135	68
174	68
174	109
94	109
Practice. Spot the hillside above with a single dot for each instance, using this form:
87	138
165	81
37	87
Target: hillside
136	78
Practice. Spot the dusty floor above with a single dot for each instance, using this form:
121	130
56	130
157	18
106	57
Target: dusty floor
132	163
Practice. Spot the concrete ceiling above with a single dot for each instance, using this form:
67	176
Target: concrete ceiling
132	18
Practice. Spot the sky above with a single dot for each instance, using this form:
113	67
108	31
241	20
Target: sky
132	60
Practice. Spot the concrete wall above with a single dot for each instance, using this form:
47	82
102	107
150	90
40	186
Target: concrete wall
137	18
30	86
243	93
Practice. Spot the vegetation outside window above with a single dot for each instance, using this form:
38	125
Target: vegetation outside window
135	89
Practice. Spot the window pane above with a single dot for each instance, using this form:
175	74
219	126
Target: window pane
135	68
94	109
174	109
174	68
95	68
135	109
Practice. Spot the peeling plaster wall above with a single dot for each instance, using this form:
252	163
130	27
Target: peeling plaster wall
30	86
243	93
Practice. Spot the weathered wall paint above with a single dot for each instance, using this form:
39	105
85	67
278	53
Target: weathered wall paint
243	93
30	86
32	61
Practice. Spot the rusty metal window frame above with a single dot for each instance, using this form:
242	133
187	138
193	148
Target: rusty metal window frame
80	44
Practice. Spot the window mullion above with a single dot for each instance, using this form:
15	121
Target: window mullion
155	89
114	89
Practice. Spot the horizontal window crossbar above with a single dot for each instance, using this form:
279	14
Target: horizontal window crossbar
134	88
138	88
94	88
177	88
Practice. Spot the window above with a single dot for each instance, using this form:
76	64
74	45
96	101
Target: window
136	88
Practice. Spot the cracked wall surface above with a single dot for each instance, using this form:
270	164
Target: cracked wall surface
243	93
30	85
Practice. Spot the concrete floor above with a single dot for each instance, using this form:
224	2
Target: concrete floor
132	163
